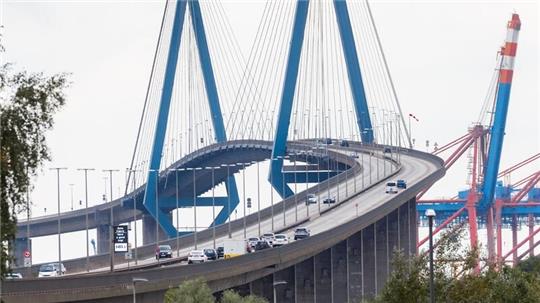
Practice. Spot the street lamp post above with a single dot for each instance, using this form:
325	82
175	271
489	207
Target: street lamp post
111	248
430	213
86	213
271	194
214	207
274	286
133	282
58	169
258	198
244	195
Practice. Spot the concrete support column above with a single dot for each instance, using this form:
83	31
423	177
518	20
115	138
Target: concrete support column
393	236
369	264
305	281
381	252
21	245
405	229
263	288
339	272
285	293
149	230
413	225
323	277
355	264
103	238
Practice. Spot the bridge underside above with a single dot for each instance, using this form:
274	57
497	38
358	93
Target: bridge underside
352	270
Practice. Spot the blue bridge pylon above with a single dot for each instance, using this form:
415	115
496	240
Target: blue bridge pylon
363	120
150	203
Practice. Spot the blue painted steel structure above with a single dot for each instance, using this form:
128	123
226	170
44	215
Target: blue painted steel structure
285	107
161	124
213	100
291	74
353	69
150	198
495	145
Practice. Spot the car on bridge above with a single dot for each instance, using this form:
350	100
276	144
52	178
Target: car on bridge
196	256
163	251
387	150
301	233
401	184
391	188
51	270
329	200
220	252
252	241
311	199
262	244
13	275
280	239
268	237
210	253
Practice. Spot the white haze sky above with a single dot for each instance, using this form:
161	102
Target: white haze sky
441	55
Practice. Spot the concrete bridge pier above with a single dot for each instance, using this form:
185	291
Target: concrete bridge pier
103	240
305	283
149	229
353	270
19	247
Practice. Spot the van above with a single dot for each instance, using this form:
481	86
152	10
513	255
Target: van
391	188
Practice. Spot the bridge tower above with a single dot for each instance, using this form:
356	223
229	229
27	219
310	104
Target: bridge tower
150	203
348	44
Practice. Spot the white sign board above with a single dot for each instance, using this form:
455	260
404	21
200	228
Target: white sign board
27	262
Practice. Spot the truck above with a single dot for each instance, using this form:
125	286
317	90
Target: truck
233	248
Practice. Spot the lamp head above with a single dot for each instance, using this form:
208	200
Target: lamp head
430	213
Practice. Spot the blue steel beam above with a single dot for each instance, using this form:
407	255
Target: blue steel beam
213	98
170	202
161	123
289	86
353	71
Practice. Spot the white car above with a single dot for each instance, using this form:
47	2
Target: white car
281	239
391	188
197	256
268	237
51	270
311	199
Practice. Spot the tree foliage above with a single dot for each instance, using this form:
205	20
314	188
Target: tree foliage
28	103
455	277
197	291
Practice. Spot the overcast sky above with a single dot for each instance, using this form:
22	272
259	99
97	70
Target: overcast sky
441	55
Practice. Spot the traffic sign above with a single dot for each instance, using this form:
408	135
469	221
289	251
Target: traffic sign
27	262
120	238
27	254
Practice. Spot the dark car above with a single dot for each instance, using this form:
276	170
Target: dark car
387	150
163	251
327	141
220	252
401	184
210	253
262	244
301	233
344	143
329	200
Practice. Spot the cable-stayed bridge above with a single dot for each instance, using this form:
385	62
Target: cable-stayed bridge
315	104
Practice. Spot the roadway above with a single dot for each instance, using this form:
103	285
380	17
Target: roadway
417	169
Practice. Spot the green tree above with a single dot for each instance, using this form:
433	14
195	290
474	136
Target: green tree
28	102
191	291
197	291
455	277
230	296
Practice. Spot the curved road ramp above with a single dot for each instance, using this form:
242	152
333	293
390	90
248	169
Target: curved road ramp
347	258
